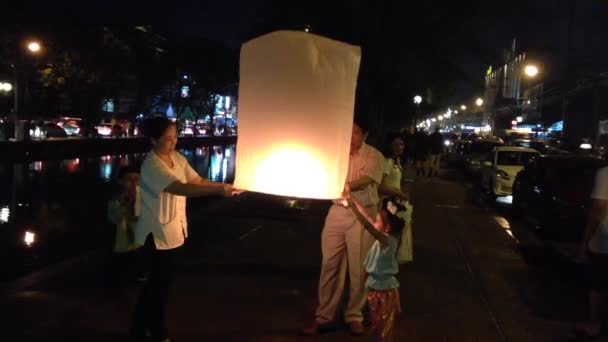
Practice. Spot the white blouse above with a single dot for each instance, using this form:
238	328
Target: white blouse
163	214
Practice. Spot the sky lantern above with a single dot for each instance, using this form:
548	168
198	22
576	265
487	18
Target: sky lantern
296	105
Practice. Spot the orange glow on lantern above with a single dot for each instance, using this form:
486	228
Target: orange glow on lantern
296	105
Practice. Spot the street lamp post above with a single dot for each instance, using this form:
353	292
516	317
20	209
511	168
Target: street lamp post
417	101
33	47
531	71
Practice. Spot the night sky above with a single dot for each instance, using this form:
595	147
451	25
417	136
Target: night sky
472	34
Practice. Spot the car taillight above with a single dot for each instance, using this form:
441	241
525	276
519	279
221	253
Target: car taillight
502	174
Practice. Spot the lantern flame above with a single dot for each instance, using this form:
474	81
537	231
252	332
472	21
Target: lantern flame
276	174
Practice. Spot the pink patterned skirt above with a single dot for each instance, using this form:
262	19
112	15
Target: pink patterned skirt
384	305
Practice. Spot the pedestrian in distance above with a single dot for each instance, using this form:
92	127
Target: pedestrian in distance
421	151
166	180
436	149
381	264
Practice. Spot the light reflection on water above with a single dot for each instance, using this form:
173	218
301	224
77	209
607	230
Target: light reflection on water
64	201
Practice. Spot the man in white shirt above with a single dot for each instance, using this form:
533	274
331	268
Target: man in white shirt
344	241
594	246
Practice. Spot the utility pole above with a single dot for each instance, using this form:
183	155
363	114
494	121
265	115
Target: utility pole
568	64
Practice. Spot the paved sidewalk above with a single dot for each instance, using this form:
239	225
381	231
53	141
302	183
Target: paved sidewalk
250	269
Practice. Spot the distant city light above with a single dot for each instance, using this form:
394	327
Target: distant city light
6	86
479	102
417	99
531	70
433	119
463	107
4	214
586	146
440	117
520	119
29	238
33	47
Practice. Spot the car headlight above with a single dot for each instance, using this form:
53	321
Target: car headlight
502	174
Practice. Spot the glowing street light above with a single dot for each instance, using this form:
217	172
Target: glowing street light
440	117
29	238
463	107
6	87
417	99
34	46
479	102
531	70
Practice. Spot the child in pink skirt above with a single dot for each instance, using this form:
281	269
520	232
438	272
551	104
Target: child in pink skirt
381	265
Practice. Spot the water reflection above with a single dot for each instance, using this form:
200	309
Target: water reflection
105	168
222	164
61	203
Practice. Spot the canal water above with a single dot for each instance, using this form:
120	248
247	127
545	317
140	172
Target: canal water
55	209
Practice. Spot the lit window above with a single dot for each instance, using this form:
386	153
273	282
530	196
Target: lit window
108	106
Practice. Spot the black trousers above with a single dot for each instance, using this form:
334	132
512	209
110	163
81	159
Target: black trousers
151	306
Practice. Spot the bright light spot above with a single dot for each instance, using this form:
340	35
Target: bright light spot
433	120
463	107
505	199
417	99
440	117
4	214
531	70
275	174
6	86
29	238
479	102
33	46
447	143
455	112
585	146
428	122
520	119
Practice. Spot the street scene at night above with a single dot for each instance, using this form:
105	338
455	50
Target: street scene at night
304	171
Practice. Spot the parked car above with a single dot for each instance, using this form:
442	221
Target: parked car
553	193
52	130
502	166
478	152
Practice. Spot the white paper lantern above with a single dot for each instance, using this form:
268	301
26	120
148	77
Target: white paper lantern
296	105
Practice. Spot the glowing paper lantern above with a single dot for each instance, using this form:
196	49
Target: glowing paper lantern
296	104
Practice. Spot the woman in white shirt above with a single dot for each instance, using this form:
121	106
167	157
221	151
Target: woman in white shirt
166	180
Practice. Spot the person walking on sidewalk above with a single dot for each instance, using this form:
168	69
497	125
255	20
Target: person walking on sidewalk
436	147
421	150
594	248
381	264
344	242
166	180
